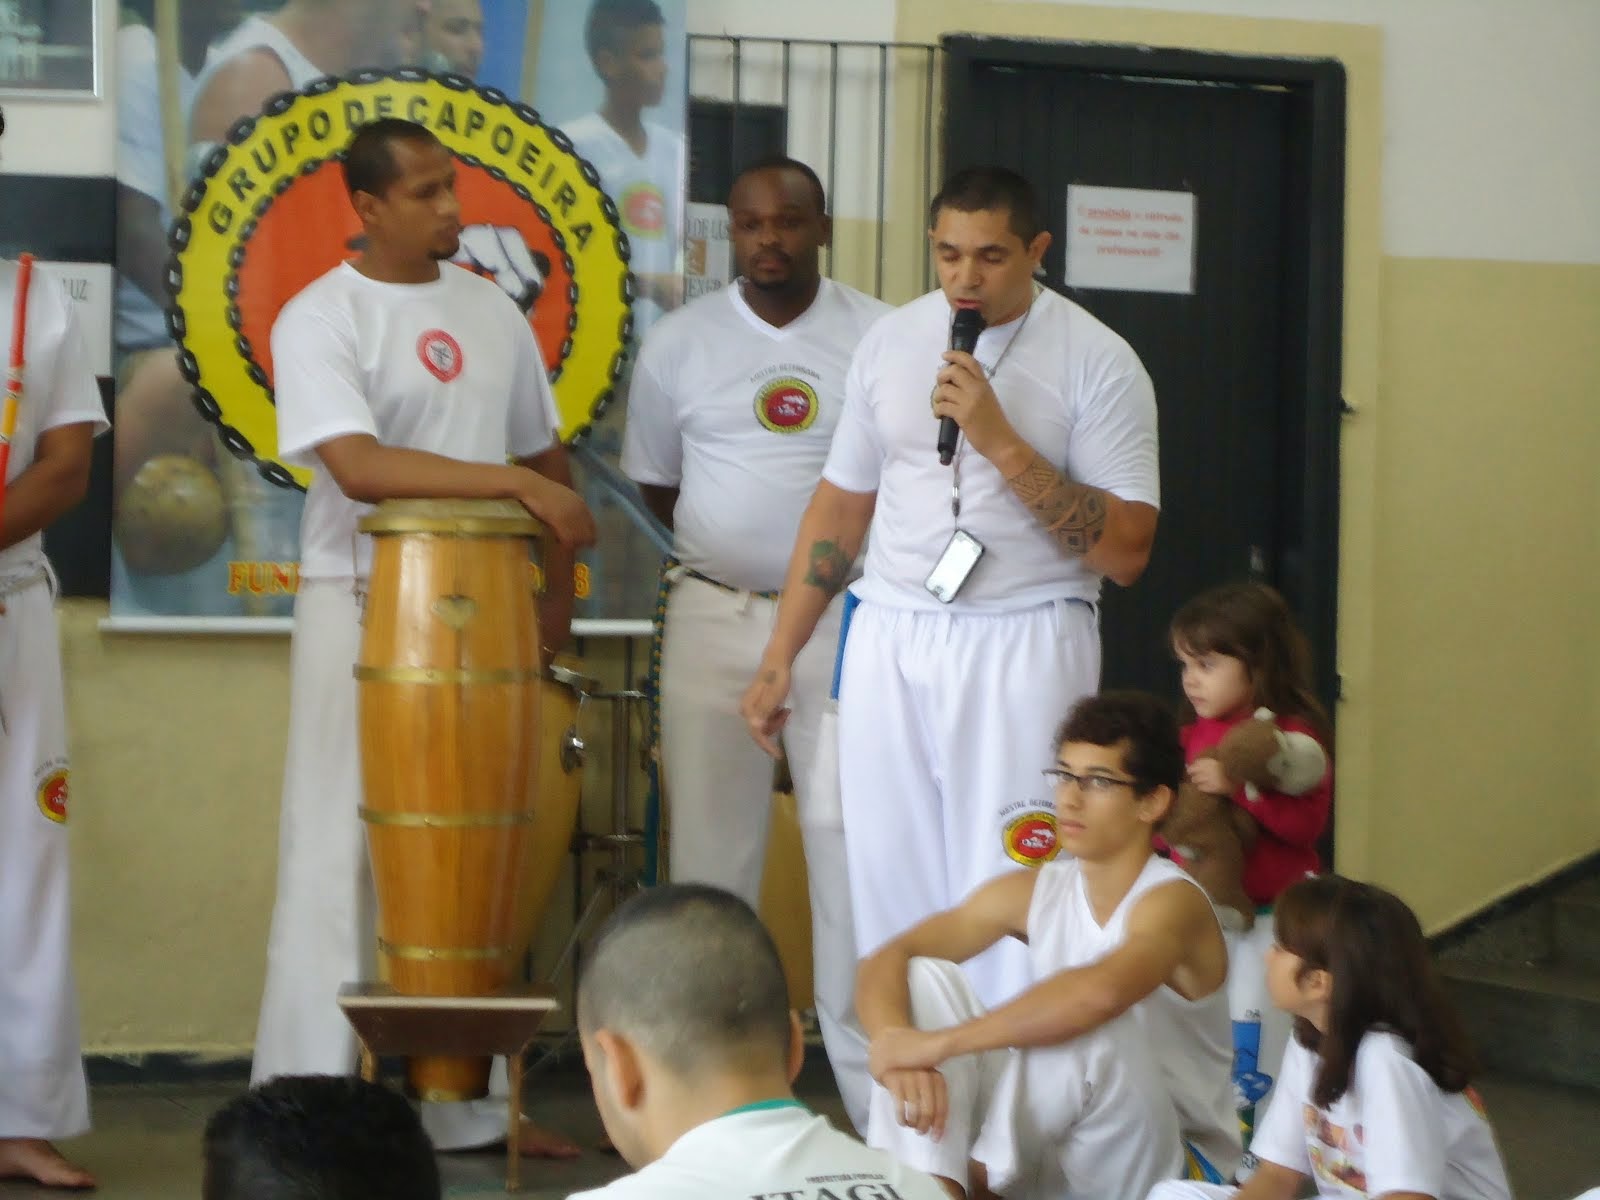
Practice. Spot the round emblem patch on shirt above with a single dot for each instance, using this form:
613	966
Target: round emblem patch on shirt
53	796
1030	838
441	354
644	211
787	405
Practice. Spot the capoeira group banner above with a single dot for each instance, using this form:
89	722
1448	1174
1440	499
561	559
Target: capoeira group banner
567	124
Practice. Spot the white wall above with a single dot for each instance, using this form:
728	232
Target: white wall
1490	143
846	20
847	116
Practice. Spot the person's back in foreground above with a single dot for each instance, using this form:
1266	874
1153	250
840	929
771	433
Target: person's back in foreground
692	1051
318	1137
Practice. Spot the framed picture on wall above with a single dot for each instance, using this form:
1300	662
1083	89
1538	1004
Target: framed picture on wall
48	49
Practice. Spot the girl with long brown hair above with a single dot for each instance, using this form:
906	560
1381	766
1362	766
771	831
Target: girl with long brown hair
1375	1097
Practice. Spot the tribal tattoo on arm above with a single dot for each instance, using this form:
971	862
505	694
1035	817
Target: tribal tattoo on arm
1074	514
830	566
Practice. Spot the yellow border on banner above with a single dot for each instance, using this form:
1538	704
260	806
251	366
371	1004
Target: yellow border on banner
265	155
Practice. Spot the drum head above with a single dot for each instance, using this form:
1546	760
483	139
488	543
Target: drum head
462	518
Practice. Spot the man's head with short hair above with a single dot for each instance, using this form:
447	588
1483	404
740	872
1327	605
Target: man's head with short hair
778	223
402	184
991	189
318	1137
780	163
626	40
1130	739
683	992
370	163
988	242
1138	721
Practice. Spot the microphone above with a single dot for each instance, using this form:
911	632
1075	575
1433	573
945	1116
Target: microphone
964	331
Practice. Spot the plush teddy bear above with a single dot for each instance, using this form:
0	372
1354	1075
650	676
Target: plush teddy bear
1212	834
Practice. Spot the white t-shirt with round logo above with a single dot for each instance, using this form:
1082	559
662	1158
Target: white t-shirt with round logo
739	414
450	367
1394	1130
646	188
786	1151
1070	386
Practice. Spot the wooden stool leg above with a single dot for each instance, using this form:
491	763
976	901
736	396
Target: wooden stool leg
514	1064
369	1065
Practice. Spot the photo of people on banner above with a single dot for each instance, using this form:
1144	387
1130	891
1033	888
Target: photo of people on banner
567	124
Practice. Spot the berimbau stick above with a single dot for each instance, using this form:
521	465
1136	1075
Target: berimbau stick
19	335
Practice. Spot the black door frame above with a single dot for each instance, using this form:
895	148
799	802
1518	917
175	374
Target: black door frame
1316	171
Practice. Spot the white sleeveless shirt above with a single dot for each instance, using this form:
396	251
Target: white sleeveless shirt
1191	1041
258	33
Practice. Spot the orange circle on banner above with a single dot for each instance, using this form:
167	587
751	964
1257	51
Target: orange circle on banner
644	209
312	226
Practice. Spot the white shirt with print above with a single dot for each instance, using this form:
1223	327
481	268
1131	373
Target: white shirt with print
739	415
450	367
1394	1130
770	1152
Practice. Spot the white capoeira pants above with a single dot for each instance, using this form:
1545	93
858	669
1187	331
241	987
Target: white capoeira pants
1182	1190
323	932
43	1093
945	725
719	786
1088	1120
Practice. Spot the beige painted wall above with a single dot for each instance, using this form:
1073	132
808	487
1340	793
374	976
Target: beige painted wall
1486	758
1470	573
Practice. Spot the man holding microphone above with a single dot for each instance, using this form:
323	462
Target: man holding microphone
977	622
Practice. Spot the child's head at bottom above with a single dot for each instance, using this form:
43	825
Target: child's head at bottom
1350	959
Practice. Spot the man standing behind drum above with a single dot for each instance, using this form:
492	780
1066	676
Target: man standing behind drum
734	402
395	377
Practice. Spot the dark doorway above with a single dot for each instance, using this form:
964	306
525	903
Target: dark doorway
1246	368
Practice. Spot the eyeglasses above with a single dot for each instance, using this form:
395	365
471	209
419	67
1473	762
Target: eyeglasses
1097	785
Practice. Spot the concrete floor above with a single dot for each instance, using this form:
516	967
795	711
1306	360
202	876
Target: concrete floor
146	1141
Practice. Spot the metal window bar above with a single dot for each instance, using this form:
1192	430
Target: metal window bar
839	102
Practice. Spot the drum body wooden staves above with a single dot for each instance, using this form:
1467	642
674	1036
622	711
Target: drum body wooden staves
449	702
561	766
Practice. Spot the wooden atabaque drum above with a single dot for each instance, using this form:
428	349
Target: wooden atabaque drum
449	701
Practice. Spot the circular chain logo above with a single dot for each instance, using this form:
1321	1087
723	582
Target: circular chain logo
269	214
787	405
1030	838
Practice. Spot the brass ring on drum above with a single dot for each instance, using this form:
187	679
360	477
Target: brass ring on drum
422	820
380	525
443	953
446	674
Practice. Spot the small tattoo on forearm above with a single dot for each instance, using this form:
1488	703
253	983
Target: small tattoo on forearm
830	566
1073	513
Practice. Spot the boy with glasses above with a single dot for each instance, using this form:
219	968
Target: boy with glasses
1112	1071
